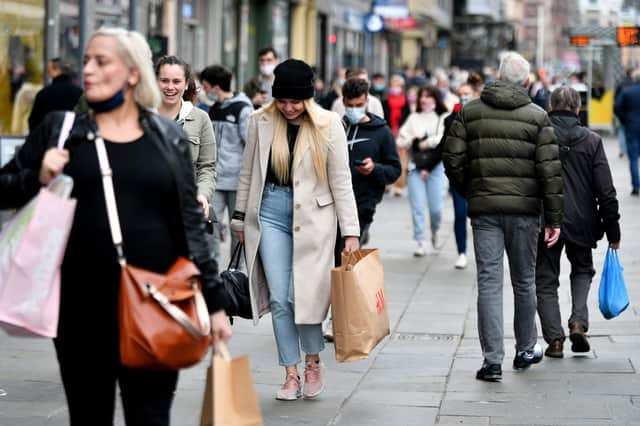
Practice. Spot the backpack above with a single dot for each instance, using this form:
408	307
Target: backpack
229	114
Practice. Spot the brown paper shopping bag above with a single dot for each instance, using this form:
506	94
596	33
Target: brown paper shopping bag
358	305
230	397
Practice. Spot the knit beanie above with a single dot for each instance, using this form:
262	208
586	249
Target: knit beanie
293	80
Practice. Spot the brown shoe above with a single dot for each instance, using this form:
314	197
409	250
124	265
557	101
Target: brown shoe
554	350
579	342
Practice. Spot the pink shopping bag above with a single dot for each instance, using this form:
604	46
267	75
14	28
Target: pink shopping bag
32	247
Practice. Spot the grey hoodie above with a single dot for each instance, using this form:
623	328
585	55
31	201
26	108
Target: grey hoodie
230	121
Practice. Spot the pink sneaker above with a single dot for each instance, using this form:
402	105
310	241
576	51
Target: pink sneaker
313	384
290	391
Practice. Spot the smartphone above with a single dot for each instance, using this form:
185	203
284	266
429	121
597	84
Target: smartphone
359	162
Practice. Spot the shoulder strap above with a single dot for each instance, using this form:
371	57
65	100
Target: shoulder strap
110	198
67	124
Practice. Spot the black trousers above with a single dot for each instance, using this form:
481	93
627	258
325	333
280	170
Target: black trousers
365	218
89	374
547	284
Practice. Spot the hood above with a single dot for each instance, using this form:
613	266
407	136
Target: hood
503	95
240	97
185	109
364	132
566	126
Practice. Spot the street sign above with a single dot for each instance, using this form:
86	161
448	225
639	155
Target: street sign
579	40
628	36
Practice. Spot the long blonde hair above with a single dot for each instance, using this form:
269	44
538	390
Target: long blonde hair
314	132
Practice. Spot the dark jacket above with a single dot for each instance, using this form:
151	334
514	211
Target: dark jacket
627	109
501	154
20	177
60	95
374	140
590	204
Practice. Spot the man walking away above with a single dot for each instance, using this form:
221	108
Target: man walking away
502	156
627	109
373	160
230	118
590	209
60	95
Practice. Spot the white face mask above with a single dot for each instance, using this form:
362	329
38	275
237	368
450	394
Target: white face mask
267	70
354	115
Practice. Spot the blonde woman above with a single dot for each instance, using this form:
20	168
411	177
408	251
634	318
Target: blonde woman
294	183
174	76
159	216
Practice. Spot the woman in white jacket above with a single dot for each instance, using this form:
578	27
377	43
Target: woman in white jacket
420	134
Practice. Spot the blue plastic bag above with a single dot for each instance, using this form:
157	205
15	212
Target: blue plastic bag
612	294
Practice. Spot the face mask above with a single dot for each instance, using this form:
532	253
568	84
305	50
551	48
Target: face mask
109	104
354	115
429	107
464	100
395	91
341	81
444	91
411	99
212	97
267	70
378	87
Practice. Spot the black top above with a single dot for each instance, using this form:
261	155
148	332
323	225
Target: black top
60	95
146	196
292	134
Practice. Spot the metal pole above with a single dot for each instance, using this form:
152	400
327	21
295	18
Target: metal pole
540	51
82	34
132	14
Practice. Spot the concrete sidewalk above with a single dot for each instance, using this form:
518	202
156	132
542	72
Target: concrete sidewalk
424	373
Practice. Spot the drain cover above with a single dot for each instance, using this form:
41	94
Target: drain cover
424	336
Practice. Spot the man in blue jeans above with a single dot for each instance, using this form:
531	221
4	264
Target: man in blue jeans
627	109
501	154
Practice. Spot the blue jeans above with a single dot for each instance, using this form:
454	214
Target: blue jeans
276	252
622	140
460	221
633	150
422	192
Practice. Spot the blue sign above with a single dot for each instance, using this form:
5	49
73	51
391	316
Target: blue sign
373	23
391	8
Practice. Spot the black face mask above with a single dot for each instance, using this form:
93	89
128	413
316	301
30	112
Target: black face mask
108	104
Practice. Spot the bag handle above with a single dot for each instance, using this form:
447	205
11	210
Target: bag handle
67	124
235	256
116	235
222	350
353	254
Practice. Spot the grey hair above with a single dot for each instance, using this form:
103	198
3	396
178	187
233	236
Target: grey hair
514	69
635	74
565	98
135	52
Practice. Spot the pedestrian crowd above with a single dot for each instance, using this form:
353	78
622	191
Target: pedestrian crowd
292	174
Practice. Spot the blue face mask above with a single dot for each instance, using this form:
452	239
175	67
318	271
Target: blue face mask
212	97
354	115
108	104
379	87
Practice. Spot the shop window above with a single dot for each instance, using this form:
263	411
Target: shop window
21	62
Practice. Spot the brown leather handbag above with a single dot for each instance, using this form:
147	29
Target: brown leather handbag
164	322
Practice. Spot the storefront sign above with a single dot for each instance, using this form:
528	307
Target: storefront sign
391	8
373	23
399	24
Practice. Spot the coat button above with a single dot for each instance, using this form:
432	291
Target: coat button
297	228
297	183
298	206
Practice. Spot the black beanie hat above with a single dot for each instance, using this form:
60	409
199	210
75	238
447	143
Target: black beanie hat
293	80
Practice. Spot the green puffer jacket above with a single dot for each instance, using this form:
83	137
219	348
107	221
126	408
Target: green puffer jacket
501	154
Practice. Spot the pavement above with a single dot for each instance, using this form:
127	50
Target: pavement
424	373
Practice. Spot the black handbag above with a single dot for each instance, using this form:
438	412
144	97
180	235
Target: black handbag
236	285
421	158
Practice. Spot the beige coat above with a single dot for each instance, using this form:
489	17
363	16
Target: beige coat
317	205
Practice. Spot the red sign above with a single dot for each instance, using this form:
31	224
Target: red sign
628	36
579	40
399	24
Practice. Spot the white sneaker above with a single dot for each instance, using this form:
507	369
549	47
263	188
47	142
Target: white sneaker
327	330
420	251
461	263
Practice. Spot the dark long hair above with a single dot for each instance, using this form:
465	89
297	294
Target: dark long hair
432	91
188	77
